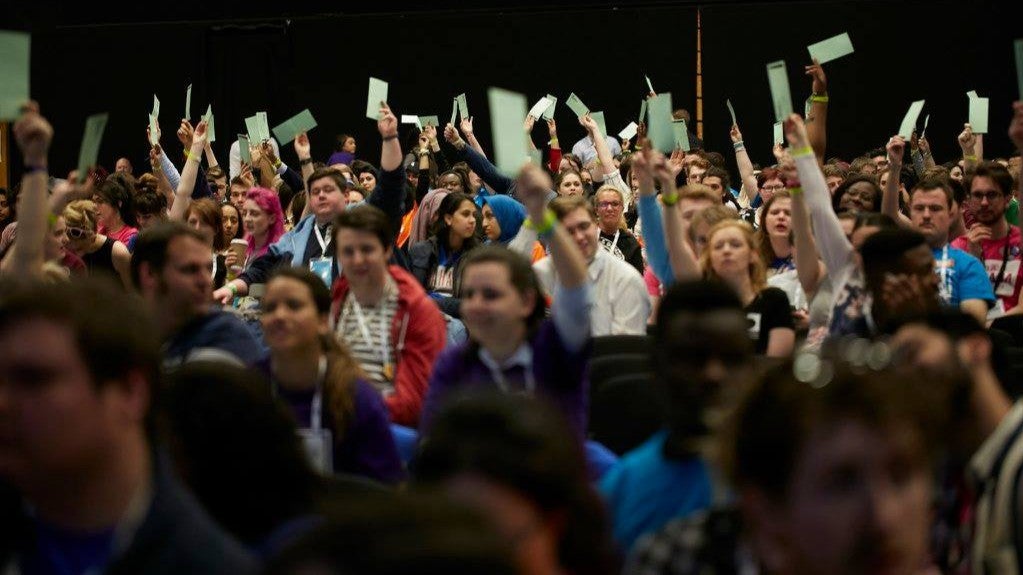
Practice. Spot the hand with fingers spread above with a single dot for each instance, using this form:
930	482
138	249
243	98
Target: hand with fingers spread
676	163
528	124
466	126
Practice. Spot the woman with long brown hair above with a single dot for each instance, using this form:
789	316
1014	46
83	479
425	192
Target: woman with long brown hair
341	417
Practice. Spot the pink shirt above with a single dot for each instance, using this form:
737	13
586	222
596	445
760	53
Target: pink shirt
995	256
123	235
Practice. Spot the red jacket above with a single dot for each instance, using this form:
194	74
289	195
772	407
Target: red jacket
418	334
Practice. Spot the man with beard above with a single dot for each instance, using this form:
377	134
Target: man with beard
992	239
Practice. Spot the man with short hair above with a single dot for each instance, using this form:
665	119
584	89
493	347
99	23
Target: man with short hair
123	166
391	326
78	371
309	243
963	282
172	269
702	357
992	239
620	301
898	272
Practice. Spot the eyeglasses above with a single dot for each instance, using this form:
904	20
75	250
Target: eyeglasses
774	188
77	233
989	196
608	205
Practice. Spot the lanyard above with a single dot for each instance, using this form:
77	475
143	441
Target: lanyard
214	274
1005	263
316	407
319	238
944	270
364	328
614	244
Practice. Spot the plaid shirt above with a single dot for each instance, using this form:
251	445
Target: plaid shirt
706	543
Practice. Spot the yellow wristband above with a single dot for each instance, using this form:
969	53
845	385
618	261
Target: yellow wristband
545	227
804	151
973	158
822	99
795	191
670	198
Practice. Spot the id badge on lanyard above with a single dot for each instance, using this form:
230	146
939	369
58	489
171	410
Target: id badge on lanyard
322	265
317	440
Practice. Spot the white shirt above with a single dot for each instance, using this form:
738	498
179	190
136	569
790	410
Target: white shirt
620	301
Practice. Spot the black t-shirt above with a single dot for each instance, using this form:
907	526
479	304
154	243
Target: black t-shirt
627	248
769	310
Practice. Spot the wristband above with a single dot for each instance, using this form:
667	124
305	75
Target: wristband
545	227
33	169
391	137
738	145
804	151
795	190
970	157
669	199
277	164
553	141
305	162
823	99
233	288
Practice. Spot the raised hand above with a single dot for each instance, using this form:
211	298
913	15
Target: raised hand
451	135
268	153
302	147
974	236
33	134
925	146
820	81
532	187
735	134
896	148
795	132
159	133
387	125
185	134
552	129
675	163
431	134
529	123
589	123
967	140
466	126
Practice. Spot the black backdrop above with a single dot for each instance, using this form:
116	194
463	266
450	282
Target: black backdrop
85	62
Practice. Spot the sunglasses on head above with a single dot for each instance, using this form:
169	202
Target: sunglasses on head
77	233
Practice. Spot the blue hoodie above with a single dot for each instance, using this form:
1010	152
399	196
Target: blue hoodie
509	213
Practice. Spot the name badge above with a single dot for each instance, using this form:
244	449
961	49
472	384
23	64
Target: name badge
322	267
1005	285
319	449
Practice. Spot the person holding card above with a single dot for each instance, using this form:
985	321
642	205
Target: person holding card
511	346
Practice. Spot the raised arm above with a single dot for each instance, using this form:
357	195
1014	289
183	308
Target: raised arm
477	162
809	268
554	161
817	129
183	195
305	158
470	136
33	134
650	215
968	144
572	314
389	194
606	159
211	158
890	195
835	249
684	264
749	182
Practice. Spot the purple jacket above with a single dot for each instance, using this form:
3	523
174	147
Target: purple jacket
367	447
560	375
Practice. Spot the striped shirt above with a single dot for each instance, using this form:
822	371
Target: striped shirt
366	330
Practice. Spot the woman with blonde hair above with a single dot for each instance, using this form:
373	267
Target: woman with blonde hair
730	256
100	253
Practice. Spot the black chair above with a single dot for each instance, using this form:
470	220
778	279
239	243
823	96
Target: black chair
619	344
625	411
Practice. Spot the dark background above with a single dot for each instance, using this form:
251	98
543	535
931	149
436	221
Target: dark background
87	59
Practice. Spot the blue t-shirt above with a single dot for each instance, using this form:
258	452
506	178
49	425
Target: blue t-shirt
961	277
645	490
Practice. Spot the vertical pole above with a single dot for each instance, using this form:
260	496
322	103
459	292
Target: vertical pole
699	76
5	155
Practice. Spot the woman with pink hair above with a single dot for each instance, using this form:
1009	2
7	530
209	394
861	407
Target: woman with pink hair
263	220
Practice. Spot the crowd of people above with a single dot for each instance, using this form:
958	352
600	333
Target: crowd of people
381	364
